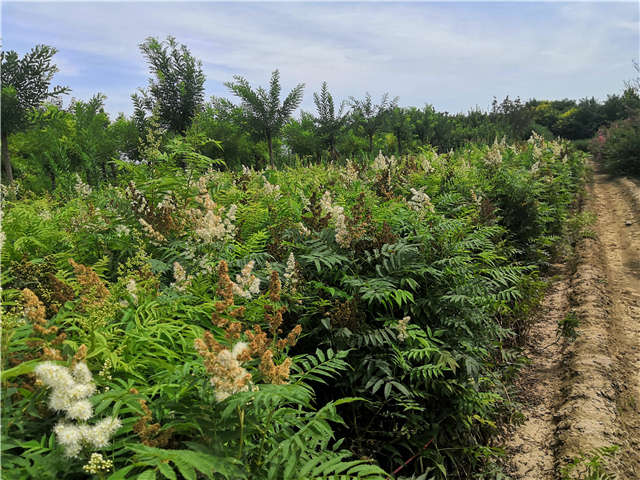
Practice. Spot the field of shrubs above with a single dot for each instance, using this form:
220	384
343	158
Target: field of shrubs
348	319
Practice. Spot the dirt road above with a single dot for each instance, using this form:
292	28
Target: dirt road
585	393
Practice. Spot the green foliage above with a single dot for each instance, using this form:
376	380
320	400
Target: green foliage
25	86
590	466
369	117
411	280
176	88
618	146
329	122
568	325
265	114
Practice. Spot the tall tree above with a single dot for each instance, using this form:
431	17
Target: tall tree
176	88
328	122
398	123
422	123
369	116
263	109
25	86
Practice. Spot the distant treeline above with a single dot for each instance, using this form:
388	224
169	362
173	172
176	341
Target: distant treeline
44	142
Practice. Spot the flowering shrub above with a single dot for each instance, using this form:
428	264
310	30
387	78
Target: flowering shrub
296	323
618	146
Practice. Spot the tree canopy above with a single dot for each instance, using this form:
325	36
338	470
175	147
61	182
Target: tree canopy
176	89
263	109
25	86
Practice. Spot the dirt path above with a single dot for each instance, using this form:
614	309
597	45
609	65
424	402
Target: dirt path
583	394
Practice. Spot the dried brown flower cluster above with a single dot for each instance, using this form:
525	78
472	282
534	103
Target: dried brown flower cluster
385	236
35	312
40	279
94	291
148	432
346	315
80	355
60	293
228	376
359	222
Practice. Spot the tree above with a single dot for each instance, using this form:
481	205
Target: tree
176	89
221	119
95	143
301	137
25	86
399	124
265	113
422	123
370	117
329	123
516	116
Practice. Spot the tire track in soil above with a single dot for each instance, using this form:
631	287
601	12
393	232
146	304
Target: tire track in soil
530	449
585	394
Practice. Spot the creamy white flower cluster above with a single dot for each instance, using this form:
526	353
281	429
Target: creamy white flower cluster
477	199
216	225
132	288
73	437
350	173
401	327
420	201
535	139
230	377
138	199
383	163
246	285
204	180
291	274
151	232
81	188
97	464
337	214
303	229
425	162
494	155
122	230
167	203
535	166
271	189
70	390
556	147
182	280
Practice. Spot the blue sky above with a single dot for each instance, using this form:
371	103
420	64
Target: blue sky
453	55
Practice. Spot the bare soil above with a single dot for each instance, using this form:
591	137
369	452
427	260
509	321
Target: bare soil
585	393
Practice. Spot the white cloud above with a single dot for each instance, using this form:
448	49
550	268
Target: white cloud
452	55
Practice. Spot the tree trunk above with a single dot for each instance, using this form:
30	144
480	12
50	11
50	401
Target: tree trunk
370	143
332	150
6	161
270	143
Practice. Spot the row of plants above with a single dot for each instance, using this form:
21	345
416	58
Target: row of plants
359	320
47	143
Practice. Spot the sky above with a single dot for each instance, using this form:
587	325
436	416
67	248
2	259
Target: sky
453	55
